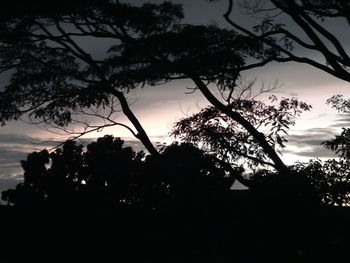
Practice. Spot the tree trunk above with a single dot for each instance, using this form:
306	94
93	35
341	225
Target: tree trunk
141	133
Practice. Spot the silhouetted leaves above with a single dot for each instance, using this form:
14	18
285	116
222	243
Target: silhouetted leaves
341	143
44	55
331	179
109	174
219	134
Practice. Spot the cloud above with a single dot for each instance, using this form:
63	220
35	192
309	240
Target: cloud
10	169
17	138
342	121
309	143
314	152
8	156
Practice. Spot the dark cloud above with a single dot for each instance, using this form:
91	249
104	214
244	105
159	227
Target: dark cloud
8	156
10	168
14	142
17	139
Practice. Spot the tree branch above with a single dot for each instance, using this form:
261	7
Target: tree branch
259	137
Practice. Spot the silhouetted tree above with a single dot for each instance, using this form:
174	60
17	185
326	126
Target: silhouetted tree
113	169
53	75
312	35
106	173
63	176
152	47
191	176
218	133
313	18
109	174
9	196
32	191
330	179
42	185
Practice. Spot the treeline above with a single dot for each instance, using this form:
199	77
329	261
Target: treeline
108	174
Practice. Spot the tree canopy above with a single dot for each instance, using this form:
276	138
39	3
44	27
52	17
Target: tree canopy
109	174
219	134
53	75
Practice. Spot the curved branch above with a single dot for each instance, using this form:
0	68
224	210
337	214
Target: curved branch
330	57
329	36
289	35
337	70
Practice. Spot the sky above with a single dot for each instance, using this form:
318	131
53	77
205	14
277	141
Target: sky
158	108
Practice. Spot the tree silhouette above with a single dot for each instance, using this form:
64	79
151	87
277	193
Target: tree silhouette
53	76
190	176
113	169
105	174
330	179
314	19
109	174
63	176
218	133
32	191
153	47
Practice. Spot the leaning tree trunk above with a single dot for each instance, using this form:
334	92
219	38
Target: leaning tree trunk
258	136
141	133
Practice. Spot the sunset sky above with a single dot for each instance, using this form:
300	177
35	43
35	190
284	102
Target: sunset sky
159	107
